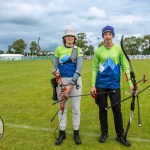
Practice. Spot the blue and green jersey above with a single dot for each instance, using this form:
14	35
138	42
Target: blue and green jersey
106	67
63	53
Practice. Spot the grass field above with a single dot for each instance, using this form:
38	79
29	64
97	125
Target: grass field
26	108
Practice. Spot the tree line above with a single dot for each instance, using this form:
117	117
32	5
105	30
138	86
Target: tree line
19	46
132	45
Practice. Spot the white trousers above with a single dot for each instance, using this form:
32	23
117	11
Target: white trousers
75	105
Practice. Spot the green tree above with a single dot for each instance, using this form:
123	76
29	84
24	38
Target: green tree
132	45
146	45
1	52
10	50
19	46
34	48
89	51
81	41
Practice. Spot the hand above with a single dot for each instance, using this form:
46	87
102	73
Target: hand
132	90
56	73
67	90
93	92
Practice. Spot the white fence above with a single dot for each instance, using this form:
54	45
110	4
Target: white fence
139	56
130	57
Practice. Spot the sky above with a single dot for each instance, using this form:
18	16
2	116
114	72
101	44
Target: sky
47	19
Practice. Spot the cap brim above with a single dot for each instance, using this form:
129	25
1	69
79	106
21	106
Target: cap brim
107	31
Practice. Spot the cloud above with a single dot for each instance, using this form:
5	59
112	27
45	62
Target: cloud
93	13
20	13
97	12
31	19
58	8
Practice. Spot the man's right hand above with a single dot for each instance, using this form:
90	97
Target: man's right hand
93	92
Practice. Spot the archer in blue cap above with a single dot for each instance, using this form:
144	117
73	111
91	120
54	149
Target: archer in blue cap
108	61
108	29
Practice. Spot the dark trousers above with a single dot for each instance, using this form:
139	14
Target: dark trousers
103	103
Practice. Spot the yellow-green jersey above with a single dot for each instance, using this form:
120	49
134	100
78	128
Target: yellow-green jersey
67	68
106	67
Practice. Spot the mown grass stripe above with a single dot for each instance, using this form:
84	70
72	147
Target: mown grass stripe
90	134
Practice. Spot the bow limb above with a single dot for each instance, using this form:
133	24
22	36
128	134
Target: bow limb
45	52
60	83
121	43
132	76
58	78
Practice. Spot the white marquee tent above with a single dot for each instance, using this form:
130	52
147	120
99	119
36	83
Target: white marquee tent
10	56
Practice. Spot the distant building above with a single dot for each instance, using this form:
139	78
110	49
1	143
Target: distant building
50	53
11	56
44	52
